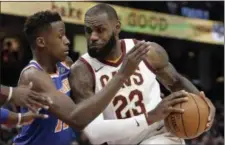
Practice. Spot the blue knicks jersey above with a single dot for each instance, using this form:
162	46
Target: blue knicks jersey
51	131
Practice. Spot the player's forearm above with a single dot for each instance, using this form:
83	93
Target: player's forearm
90	108
101	131
184	84
61	107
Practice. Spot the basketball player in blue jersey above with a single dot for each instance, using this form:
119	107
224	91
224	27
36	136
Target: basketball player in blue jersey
49	71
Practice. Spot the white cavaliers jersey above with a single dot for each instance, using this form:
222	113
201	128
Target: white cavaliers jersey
139	94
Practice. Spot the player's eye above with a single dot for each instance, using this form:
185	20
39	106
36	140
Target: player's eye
60	36
88	30
100	30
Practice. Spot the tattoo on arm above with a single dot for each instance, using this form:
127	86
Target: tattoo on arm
81	82
165	71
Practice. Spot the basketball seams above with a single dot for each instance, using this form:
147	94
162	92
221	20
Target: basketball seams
196	109
182	120
198	114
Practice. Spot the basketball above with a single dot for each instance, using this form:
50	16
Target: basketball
192	122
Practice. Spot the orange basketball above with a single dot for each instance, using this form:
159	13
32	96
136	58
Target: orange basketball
192	122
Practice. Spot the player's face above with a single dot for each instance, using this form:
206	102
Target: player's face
100	36
57	42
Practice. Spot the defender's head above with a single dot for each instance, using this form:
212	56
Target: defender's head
102	28
45	31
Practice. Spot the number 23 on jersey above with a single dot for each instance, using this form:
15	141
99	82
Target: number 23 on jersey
132	105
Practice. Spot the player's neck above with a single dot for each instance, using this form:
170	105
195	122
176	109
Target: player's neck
115	53
48	64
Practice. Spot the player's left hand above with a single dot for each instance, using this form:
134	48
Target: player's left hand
25	96
27	118
212	110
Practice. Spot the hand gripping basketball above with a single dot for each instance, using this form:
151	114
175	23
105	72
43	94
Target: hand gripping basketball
164	108
212	110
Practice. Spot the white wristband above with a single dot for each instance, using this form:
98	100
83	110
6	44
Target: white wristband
10	94
19	119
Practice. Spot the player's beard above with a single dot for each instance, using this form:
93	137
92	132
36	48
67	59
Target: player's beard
104	51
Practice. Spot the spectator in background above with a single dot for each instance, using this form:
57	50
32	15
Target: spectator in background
14	56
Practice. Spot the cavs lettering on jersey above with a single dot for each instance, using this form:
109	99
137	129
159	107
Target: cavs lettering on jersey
139	94
51	131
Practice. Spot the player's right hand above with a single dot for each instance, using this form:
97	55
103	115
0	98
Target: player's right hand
133	58
165	107
24	96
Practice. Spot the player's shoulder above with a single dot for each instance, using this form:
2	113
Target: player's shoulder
86	58
40	79
29	70
29	74
80	66
81	74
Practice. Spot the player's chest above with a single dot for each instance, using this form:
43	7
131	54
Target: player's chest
141	77
130	100
62	84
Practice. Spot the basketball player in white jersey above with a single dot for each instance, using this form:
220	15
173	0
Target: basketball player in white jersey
140	94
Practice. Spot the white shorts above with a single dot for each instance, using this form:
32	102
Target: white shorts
155	135
164	139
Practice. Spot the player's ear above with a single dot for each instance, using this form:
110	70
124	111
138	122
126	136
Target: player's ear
40	42
118	28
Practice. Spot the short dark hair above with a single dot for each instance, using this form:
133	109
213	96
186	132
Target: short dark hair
38	22
103	8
